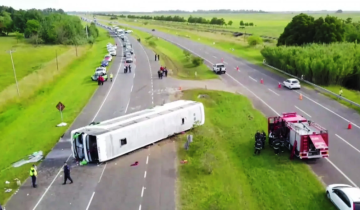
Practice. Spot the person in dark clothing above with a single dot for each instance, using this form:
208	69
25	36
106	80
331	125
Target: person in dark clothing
33	175
125	69
258	146
129	68
282	143
263	138
257	135
67	174
158	57
155	57
276	145
165	71
161	74
99	82
1	207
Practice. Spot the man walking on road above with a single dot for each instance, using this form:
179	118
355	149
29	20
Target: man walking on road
67	174
158	57
155	57
33	175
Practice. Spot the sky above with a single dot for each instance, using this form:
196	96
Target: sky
190	5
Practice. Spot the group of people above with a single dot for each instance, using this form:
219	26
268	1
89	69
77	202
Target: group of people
127	68
277	141
162	72
33	175
101	80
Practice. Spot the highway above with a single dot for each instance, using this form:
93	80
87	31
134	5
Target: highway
114	185
342	166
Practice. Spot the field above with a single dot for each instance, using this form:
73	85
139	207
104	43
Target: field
238	46
29	126
223	173
174	58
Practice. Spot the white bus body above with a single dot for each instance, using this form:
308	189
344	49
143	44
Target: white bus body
113	138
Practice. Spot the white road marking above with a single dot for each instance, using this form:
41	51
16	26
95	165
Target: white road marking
328	109
226	63
214	57
102	173
145	175
92	196
127	106
147	160
140	207
132	86
357	150
327	159
142	191
253	79
302	111
96	114
273	92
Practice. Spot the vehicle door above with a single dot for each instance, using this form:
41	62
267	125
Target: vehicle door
286	83
340	199
294	84
214	67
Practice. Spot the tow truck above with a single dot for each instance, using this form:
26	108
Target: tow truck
304	138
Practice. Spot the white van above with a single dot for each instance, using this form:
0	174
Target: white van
109	139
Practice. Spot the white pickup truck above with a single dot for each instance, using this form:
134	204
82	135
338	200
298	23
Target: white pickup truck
219	68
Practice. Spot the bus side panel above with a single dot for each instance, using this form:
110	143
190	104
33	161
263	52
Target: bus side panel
102	147
200	114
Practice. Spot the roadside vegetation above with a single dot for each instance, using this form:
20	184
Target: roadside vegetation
28	123
222	171
181	64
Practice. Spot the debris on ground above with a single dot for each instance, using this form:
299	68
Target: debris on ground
183	161
33	158
83	162
8	190
7	182
203	96
61	124
135	164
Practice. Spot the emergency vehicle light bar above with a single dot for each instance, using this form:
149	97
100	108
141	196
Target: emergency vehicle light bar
289	114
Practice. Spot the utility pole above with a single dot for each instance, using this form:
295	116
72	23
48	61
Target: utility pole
87	34
57	63
12	61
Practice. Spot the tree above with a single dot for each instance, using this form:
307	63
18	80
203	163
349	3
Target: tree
18	36
230	22
241	23
5	23
328	30
32	28
254	40
251	24
246	24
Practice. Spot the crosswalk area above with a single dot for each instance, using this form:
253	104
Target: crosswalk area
165	91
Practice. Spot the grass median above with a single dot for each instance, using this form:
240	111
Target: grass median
222	171
178	61
30	125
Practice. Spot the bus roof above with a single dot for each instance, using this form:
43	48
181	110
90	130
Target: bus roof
293	117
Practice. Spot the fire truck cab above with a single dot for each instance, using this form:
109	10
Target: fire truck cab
304	138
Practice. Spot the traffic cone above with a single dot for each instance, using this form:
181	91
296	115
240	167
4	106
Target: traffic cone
262	81
180	88
237	68
279	85
349	126
300	96
222	59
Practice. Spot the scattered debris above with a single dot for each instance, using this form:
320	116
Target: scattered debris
203	96
83	162
61	124
135	164
33	158
18	182
183	161
8	190
7	182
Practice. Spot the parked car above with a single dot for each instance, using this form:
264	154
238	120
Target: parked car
100	69
112	53
129	60
108	58
292	84
97	74
104	63
344	197
219	68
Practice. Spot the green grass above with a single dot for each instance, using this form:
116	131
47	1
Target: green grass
27	59
30	125
174	58
238	178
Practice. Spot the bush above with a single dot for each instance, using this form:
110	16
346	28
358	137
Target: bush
332	64
197	61
254	40
152	43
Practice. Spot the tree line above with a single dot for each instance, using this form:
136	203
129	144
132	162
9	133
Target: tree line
48	26
324	50
224	11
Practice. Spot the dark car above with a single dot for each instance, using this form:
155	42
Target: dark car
104	63
153	29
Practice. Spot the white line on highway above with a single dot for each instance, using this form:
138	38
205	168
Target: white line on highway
127	106
140	207
302	111
348	143
102	173
132	86
225	63
92	196
96	114
147	160
142	191
328	109
253	79
273	92
272	109
145	174
214	56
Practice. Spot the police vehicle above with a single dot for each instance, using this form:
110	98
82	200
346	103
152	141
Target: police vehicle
219	68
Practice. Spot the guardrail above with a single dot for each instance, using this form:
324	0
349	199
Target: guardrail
314	85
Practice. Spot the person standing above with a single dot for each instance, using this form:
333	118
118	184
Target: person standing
111	77
165	71
33	175
158	57
101	78
277	145
130	68
99	82
340	92
155	57
258	146
67	174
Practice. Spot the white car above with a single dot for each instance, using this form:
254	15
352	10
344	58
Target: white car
108	58
292	84
111	49
111	46
100	69
112	53
128	31
345	197
219	68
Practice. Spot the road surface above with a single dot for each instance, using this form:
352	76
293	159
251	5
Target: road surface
114	185
342	166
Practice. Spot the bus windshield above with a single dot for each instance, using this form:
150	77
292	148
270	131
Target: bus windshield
78	146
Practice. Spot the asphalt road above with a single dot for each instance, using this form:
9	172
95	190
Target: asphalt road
115	184
342	166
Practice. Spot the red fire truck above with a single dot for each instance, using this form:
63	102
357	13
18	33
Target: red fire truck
304	138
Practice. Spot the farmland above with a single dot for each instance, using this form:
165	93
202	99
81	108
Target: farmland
222	171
